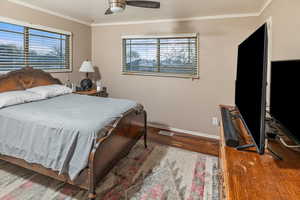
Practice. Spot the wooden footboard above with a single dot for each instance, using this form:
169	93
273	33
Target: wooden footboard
117	145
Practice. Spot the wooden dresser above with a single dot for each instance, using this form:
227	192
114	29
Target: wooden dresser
245	175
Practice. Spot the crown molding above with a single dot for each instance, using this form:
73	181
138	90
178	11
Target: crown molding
238	15
35	26
179	19
229	16
265	6
22	3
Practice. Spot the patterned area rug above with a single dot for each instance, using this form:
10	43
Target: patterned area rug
157	173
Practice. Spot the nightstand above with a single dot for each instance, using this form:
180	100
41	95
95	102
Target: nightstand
93	93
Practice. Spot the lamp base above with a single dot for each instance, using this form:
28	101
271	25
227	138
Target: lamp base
86	84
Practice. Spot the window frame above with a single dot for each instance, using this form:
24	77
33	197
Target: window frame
47	29
160	74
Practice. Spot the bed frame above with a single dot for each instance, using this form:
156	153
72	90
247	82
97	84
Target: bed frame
121	136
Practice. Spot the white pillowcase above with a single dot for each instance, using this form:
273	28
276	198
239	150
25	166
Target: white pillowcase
18	97
50	90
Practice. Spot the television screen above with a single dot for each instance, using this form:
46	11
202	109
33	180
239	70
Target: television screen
251	81
284	96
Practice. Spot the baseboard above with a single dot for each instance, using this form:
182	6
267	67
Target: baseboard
206	135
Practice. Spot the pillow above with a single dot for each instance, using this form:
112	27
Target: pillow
17	97
50	90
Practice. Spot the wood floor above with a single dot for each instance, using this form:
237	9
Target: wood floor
185	141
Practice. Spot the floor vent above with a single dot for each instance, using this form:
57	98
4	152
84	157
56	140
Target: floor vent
166	133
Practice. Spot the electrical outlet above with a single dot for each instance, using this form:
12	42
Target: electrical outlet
166	133
215	121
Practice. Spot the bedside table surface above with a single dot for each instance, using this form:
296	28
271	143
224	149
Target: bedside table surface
92	92
88	92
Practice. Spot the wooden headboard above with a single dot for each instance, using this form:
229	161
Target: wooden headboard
26	78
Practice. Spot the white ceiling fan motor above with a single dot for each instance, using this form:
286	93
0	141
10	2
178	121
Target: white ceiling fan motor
117	5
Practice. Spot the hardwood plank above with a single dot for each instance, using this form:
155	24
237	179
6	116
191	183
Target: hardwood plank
250	176
185	141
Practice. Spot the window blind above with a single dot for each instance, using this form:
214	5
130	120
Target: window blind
22	46
174	56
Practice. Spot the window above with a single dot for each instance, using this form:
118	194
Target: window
161	55
22	46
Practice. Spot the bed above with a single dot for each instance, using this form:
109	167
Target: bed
101	141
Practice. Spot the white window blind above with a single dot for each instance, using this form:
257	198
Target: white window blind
165	55
22	46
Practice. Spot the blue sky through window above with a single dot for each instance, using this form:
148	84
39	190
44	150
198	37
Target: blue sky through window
8	38
44	47
11	27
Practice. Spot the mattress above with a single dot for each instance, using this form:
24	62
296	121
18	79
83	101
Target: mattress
60	132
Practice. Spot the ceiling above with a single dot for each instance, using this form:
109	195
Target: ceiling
92	11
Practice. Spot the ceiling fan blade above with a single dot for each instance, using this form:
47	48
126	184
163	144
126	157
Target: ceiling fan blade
108	12
144	4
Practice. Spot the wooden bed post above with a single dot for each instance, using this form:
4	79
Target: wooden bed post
145	129
91	175
92	196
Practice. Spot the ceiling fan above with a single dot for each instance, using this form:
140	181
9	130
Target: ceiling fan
116	6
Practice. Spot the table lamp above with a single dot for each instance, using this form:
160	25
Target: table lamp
87	67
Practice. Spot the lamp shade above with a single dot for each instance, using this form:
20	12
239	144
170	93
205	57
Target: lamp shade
87	67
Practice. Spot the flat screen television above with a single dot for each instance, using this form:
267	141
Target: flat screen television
284	98
251	83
